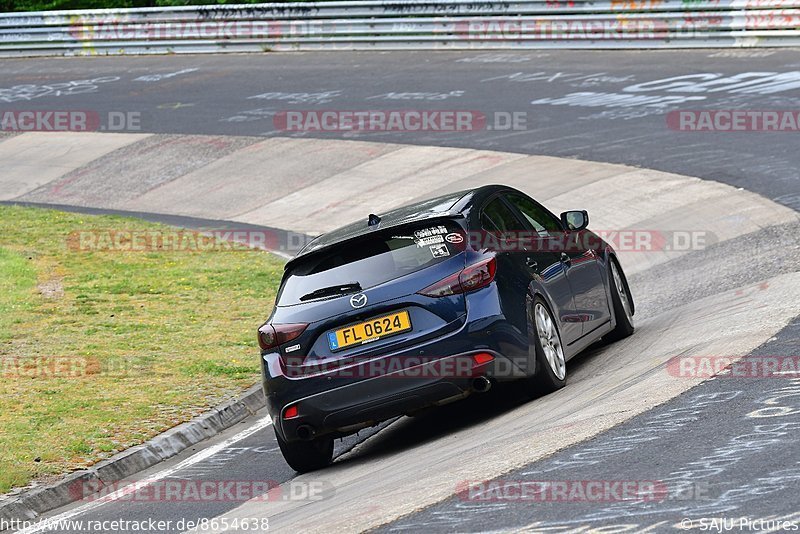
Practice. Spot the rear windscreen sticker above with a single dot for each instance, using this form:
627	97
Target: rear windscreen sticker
432	240
454	238
439	251
427	232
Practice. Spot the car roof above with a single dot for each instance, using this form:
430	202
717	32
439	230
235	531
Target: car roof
449	205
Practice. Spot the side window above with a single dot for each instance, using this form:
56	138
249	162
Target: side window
500	218
488	224
544	223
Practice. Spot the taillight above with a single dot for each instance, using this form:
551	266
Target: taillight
291	412
272	335
442	288
479	275
473	277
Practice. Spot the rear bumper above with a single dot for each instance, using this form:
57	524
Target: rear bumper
371	400
342	401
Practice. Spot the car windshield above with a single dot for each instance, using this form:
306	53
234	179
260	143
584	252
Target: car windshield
371	261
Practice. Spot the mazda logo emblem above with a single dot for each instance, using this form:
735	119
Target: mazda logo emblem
358	301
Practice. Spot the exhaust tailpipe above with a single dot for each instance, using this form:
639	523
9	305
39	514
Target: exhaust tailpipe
481	384
305	432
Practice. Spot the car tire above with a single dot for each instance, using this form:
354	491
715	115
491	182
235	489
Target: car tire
551	369
305	456
621	301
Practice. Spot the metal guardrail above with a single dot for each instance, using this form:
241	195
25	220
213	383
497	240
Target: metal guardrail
387	25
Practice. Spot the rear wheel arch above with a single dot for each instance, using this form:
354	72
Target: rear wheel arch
621	302
544	380
530	301
535	290
613	257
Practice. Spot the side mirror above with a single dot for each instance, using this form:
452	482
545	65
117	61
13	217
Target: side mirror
575	220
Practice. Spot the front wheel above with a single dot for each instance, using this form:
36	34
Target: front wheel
551	366
305	456
621	301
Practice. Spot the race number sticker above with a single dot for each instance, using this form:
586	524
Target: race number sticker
439	251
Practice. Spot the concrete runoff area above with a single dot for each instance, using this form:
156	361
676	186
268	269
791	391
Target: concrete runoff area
118	177
255	176
35	159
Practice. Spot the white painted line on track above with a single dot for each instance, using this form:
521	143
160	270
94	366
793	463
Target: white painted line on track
52	523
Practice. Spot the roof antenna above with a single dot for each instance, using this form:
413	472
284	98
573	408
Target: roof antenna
374	220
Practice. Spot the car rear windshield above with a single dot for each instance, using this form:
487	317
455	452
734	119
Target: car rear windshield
371	260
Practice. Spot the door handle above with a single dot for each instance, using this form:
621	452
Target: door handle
530	262
565	259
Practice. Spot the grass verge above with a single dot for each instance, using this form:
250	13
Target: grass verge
100	351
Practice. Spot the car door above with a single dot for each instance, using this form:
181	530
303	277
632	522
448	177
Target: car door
581	266
535	264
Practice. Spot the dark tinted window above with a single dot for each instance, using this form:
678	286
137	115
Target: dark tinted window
544	223
497	214
372	260
488	224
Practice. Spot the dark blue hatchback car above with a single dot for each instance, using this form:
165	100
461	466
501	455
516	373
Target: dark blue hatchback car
428	304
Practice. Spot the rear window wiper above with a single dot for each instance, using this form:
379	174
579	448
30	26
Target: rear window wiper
332	291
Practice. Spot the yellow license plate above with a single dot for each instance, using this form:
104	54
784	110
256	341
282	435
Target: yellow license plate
368	331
